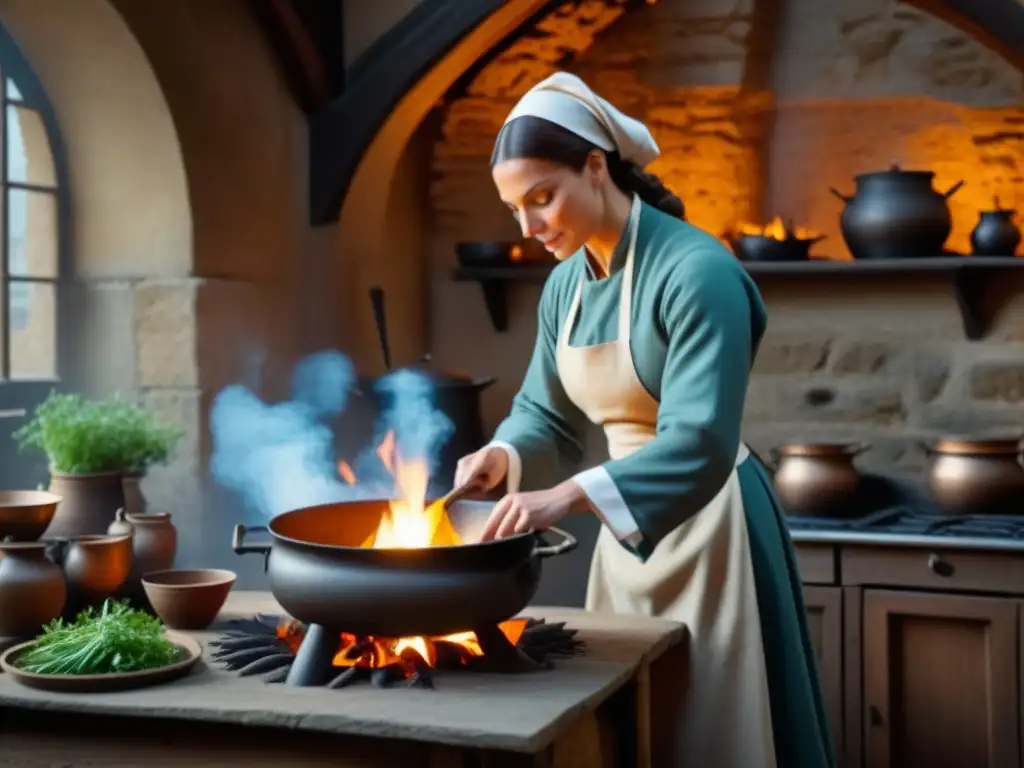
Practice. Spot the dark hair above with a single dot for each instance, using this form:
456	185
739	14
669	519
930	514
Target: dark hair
535	138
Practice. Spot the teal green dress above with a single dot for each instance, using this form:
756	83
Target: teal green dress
697	319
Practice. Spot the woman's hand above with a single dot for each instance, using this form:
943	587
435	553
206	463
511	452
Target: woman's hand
534	511
483	469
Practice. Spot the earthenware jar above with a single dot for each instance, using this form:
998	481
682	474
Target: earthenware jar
88	503
154	546
32	589
95	568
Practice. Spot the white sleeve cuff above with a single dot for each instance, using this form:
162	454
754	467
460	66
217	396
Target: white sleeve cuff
514	478
608	504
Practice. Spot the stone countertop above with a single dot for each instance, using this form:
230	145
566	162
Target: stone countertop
886	539
514	712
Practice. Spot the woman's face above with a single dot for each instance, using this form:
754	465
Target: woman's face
557	205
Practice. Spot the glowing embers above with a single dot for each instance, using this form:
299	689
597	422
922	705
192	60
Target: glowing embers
777	230
386	661
267	646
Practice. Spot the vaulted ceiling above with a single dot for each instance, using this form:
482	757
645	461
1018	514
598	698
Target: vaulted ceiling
346	109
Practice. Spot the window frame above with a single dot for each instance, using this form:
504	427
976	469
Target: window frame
14	66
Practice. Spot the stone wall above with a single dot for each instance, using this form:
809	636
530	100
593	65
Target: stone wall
759	108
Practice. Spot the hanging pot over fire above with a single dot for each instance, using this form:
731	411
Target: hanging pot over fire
774	242
456	395
896	214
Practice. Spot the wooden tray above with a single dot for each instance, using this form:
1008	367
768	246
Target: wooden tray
118	681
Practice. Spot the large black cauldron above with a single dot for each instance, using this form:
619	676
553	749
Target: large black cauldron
896	214
320	573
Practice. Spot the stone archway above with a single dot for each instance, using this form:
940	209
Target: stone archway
370	247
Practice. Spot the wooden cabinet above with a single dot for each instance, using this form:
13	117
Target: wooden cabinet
920	654
824	606
941	680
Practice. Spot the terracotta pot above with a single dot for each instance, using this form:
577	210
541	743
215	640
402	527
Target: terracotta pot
32	590
95	568
154	545
25	515
134	501
976	475
88	503
817	479
188	599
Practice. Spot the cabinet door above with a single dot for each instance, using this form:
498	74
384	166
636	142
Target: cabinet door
824	609
940	681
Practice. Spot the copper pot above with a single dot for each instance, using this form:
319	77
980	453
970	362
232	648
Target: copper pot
980	476
817	479
94	568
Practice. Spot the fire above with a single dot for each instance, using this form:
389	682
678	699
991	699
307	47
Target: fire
409	653
409	523
776	230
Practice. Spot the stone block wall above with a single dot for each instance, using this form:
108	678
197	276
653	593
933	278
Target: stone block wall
759	108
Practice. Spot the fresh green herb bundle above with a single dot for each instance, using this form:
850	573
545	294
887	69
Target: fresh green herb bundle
115	639
81	436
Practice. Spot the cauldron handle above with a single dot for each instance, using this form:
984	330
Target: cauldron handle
239	544
568	544
954	189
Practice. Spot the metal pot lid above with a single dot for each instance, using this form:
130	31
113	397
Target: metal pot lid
992	445
426	366
438	376
823	448
895	171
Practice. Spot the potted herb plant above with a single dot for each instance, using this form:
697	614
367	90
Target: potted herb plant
91	446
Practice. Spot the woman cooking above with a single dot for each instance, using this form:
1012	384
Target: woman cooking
648	327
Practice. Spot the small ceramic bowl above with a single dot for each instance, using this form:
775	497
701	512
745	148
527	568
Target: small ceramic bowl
188	599
25	515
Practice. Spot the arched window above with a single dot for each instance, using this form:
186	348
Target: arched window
32	214
33	258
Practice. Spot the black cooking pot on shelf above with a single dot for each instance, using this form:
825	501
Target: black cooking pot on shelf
764	248
995	234
320	574
896	214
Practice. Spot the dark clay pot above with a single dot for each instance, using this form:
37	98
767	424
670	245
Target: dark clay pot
154	546
764	248
134	501
95	568
896	214
32	590
995	234
87	505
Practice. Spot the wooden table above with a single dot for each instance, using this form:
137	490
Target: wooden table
598	710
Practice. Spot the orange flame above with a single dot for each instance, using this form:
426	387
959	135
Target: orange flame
408	523
776	230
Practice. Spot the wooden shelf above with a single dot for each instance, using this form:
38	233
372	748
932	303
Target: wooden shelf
969	275
494	283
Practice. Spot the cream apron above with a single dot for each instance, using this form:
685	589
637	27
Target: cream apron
700	574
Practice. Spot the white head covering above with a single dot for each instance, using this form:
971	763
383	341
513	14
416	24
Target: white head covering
566	100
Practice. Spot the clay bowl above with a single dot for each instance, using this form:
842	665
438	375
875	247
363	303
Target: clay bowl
188	599
25	515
